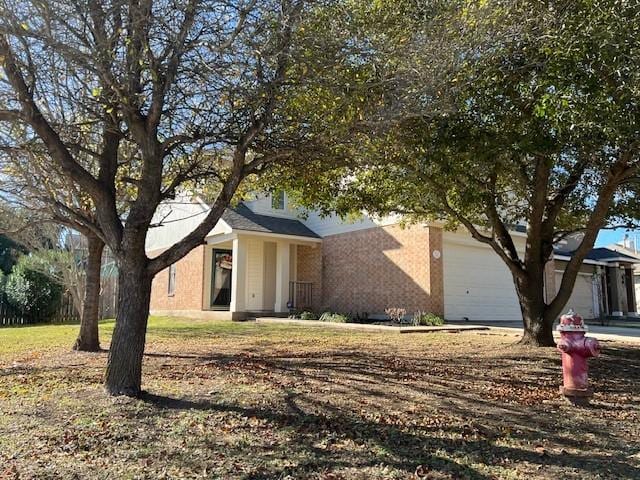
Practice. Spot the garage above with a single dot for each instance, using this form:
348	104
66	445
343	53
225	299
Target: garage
477	284
582	297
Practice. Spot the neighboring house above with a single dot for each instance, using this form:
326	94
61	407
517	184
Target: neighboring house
605	281
265	257
629	248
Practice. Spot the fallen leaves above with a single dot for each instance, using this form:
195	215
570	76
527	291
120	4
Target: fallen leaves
259	402
541	451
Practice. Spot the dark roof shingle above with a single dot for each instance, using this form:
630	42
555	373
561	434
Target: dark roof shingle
242	218
602	254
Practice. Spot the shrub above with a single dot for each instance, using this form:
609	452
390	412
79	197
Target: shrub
334	317
306	315
427	319
359	317
32	293
396	315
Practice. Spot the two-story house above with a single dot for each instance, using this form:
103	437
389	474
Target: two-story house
265	257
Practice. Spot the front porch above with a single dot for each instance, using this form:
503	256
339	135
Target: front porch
254	273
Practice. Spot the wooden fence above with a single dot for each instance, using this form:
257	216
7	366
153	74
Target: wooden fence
108	297
12	316
66	313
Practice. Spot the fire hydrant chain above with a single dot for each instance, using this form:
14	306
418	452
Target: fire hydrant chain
576	349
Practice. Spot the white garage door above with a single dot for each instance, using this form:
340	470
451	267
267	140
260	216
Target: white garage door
477	283
581	300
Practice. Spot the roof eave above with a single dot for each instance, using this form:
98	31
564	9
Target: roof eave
586	261
282	236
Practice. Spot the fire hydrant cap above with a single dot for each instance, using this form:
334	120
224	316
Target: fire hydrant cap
572	322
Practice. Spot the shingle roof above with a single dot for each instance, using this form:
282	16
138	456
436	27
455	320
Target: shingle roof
603	254
242	218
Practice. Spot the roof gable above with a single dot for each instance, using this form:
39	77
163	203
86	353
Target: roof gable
242	218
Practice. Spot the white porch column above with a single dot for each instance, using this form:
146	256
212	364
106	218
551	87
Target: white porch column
238	275
282	277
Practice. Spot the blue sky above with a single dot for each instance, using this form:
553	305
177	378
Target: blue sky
607	237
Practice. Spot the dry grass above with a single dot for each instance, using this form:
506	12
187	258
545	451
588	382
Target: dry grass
232	401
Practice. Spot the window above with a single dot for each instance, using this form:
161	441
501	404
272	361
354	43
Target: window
171	288
221	270
277	200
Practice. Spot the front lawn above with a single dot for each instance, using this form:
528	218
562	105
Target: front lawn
250	401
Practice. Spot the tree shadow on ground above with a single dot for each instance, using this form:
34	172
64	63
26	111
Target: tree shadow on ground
464	385
406	450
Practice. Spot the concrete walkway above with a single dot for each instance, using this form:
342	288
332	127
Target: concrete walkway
371	327
604	333
601	332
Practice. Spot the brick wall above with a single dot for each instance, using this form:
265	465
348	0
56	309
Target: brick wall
373	269
189	284
309	269
361	271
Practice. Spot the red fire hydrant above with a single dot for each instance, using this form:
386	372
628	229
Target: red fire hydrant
576	349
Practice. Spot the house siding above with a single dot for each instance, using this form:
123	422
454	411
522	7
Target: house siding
176	221
261	205
325	226
189	284
255	274
377	268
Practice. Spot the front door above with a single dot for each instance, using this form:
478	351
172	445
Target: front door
221	278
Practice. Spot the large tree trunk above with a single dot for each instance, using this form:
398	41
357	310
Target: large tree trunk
88	340
124	367
538	323
538	330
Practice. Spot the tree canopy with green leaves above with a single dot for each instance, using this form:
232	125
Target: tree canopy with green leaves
528	116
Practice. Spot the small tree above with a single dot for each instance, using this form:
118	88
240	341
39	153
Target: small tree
76	266
58	252
88	339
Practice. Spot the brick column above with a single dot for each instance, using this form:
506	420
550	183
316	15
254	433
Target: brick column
309	268
436	271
